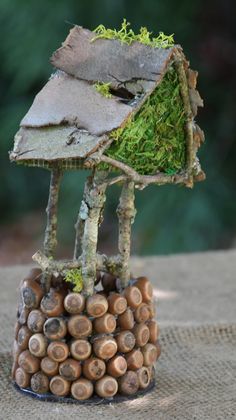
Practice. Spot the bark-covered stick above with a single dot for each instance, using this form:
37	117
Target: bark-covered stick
94	199
126	213
82	215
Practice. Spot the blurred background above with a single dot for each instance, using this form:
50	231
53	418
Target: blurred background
170	219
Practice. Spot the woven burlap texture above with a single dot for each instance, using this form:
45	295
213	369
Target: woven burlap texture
197	369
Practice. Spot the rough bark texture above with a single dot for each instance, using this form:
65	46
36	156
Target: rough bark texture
126	213
82	215
50	240
109	60
93	204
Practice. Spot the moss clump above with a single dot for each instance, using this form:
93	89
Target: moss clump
103	89
154	139
126	35
74	276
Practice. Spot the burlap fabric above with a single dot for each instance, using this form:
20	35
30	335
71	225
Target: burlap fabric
197	370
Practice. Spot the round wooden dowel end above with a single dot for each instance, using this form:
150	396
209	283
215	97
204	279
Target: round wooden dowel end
55	328
105	324
128	383
38	345
22	378
106	387
59	386
142	313
105	347
134	359
117	304
126	320
144	377
133	296
125	341
79	326
39	383
23	337
145	287
28	362
74	303
149	354
36	320
80	349
58	351
49	366
82	389
141	333
96	305
94	368
70	369
117	366
52	303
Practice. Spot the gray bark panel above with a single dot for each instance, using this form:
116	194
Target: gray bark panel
108	60
54	143
66	100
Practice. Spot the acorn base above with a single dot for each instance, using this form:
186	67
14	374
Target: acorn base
94	400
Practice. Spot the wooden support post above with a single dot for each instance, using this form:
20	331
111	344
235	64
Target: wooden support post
50	238
94	200
82	215
126	213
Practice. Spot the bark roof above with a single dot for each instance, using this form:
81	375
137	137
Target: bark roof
69	118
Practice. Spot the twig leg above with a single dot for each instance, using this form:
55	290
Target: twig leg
126	213
94	200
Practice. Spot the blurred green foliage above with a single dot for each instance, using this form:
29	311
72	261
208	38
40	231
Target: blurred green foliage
169	219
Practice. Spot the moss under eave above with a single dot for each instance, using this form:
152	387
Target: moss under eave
155	139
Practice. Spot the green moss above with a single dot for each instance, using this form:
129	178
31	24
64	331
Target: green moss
103	89
154	139
74	276
126	35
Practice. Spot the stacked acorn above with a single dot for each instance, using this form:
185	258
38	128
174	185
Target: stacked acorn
72	346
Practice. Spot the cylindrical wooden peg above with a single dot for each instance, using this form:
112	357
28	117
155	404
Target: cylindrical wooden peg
82	389
117	366
28	362
126	320
39	383
144	377
133	296
96	305
117	304
134	359
105	347
22	378
105	324
49	366
94	368
79	326
36	320
106	387
52	303
80	349
125	341
145	287
149	354
58	351
59	386
23	337
153	330
70	369
55	328
142	313
38	345
128	383
74	303
141	333
31	293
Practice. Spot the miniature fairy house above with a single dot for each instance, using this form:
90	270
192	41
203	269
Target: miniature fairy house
123	106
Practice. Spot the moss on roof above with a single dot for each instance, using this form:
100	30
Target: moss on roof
154	139
126	35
